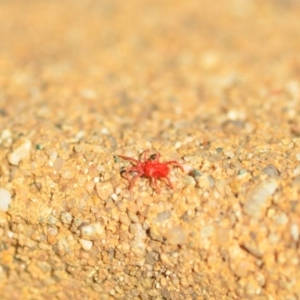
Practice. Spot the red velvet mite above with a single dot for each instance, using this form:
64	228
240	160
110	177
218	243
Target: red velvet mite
150	167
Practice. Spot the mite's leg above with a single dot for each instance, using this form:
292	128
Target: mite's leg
154	181
131	169
129	158
175	163
145	155
169	182
157	157
134	179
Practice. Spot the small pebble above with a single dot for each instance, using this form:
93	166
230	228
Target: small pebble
5	199
20	152
66	218
85	244
270	170
114	196
175	235
205	182
92	231
138	247
104	189
89	186
67	174
294	230
6	137
177	145
53	231
258	198
138	231
163	216
58	163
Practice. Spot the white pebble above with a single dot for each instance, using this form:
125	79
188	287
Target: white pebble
294	230
6	137
92	231
53	156
20	152
66	218
209	60
234	115
5	199
85	244
114	197
80	134
53	230
138	231
10	234
177	145
104	130
138	247
88	93
118	190
258	198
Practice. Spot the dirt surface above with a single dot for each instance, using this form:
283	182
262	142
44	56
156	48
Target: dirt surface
214	86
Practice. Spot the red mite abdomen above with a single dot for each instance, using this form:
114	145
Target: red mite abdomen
155	170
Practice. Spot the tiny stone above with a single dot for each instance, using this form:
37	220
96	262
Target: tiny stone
59	162
138	247
53	156
294	230
100	168
76	223
85	244
162	216
177	145
124	219
89	186
52	219
20	152
104	130
6	136
67	174
138	231
66	218
5	199
150	258
104	189
88	93
133	217
118	190
258	197
270	170
205	182
114	197
92	231
280	218
228	153
53	231
175	235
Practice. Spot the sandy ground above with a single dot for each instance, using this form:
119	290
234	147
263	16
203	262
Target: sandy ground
214	85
